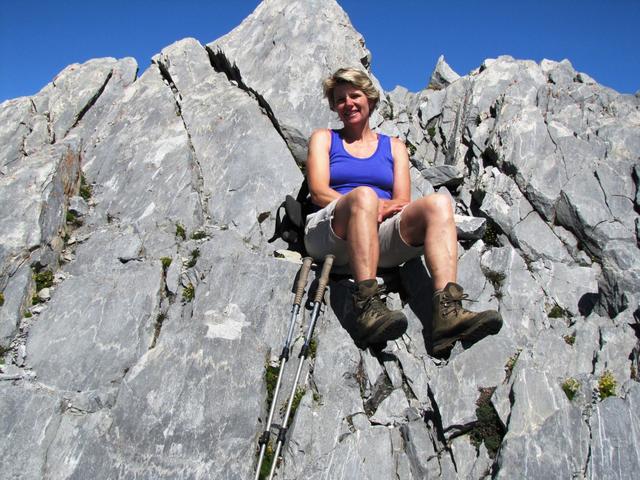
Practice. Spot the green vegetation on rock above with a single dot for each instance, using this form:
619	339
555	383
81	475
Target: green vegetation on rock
181	232
188	293
488	428
85	189
44	279
607	385
570	387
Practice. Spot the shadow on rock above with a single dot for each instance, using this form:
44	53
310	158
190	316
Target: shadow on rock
411	281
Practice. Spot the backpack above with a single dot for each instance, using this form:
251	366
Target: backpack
290	225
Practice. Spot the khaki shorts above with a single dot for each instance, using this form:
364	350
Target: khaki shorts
321	240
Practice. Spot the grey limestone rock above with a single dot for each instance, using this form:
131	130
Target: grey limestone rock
151	356
442	75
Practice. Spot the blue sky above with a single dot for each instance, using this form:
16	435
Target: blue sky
40	38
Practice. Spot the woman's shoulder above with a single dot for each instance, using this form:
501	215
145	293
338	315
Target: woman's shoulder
321	134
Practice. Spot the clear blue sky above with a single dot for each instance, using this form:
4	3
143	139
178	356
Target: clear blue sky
600	38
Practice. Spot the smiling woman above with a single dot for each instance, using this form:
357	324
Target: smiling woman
360	186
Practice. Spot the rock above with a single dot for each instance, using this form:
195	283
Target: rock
469	228
44	294
442	75
152	356
447	175
612	419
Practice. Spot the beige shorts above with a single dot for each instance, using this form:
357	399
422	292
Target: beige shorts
321	240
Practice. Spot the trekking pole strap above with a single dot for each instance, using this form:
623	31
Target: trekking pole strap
324	277
302	279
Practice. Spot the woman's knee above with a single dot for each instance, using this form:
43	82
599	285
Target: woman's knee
438	205
363	198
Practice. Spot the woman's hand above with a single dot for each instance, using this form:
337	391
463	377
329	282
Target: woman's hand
388	208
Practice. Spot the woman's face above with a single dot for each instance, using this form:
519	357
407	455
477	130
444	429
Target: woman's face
351	104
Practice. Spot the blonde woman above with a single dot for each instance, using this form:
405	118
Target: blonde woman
360	186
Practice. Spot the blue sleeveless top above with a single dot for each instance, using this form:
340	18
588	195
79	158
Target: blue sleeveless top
348	172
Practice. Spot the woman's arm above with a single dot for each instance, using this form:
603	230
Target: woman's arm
401	195
318	168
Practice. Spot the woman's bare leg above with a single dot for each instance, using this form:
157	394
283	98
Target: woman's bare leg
429	220
356	220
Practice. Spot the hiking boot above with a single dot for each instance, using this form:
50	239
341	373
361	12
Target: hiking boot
375	322
451	322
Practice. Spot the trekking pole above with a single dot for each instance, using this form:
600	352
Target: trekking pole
317	302
284	356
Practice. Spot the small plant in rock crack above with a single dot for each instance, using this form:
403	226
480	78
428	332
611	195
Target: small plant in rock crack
1	299
44	279
489	428
297	397
607	385
270	378
72	219
508	368
411	149
570	388
265	468
195	254
85	189
166	263
557	312
188	293
570	339
181	232
199	235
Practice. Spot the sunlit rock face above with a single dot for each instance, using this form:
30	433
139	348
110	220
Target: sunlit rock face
141	302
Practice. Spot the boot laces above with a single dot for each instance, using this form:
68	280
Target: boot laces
376	302
452	304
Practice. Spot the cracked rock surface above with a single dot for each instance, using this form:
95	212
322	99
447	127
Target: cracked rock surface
141	303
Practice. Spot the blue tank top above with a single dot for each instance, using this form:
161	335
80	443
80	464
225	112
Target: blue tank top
348	172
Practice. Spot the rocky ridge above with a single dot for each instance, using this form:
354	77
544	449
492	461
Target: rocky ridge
141	303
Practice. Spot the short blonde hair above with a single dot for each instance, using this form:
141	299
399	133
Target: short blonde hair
354	77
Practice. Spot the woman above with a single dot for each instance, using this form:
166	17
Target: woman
359	182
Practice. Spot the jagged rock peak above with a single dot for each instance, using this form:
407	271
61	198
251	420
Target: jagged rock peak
142	310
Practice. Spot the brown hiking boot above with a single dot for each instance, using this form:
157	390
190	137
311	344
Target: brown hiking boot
375	322
451	322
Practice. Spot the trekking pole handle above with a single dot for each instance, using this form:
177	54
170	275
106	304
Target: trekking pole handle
302	279
324	277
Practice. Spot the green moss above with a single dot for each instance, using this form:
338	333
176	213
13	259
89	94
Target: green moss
72	219
188	293
267	461
411	149
313	348
570	387
156	333
181	232
85	189
607	385
28	314
557	312
35	300
570	339
44	279
199	235
297	397
488	429
270	378
431	131
491	233
1	299
166	262
195	254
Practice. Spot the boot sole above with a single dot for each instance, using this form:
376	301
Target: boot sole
474	334
387	331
